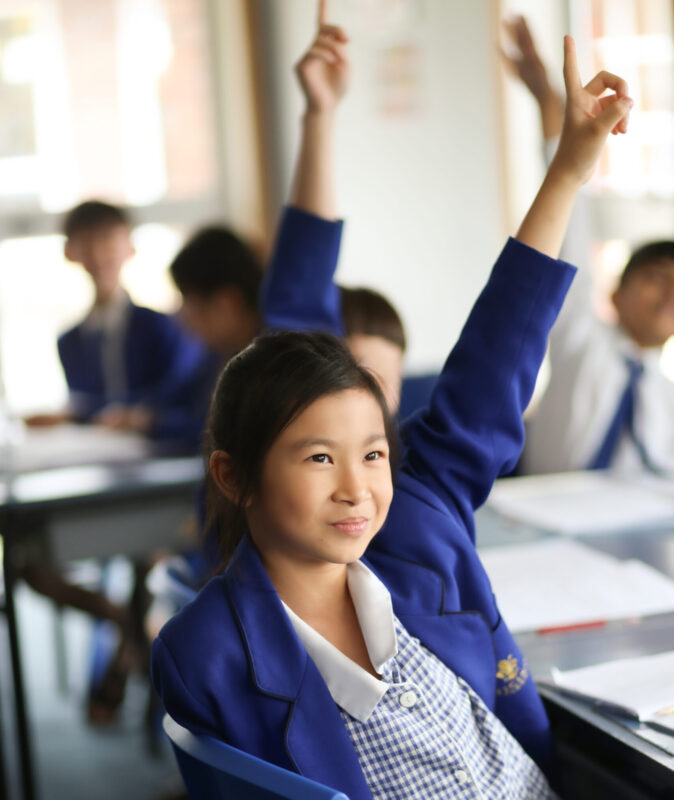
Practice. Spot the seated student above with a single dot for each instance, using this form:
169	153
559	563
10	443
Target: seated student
608	403
379	665
219	279
298	289
126	366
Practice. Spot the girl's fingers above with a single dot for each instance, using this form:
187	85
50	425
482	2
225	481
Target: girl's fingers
338	48
615	115
604	103
322	12
334	30
607	80
572	80
321	53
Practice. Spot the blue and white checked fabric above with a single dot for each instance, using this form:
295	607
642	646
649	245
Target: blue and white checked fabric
431	736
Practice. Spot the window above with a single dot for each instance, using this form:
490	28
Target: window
112	100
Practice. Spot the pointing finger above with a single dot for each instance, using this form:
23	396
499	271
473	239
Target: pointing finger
571	74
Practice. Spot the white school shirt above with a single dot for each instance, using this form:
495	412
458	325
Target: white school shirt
419	730
111	322
588	375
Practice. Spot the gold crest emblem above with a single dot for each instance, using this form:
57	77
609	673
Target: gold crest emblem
512	674
507	668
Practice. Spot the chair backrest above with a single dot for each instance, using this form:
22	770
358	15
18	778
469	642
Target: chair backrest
215	770
170	579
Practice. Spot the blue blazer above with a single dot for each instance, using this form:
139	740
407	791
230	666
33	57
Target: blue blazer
299	291
165	369
230	664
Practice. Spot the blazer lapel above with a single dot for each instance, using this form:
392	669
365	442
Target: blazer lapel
315	738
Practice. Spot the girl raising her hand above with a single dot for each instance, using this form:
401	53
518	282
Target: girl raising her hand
353	636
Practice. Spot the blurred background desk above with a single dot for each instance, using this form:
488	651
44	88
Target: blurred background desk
602	756
131	505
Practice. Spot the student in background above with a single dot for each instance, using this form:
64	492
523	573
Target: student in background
608	403
298	290
394	675
219	279
127	367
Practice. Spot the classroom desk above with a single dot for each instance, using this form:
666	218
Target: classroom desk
86	511
603	756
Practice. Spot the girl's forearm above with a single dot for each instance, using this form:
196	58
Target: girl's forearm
313	187
545	224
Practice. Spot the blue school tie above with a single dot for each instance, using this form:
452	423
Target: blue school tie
622	422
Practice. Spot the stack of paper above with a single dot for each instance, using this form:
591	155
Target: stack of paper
556	583
641	688
585	502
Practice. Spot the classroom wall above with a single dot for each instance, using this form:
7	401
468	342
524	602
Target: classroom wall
418	152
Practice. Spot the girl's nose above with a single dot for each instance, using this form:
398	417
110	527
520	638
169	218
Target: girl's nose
352	487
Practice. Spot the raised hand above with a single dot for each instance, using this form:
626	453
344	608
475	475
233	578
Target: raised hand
526	64
323	71
588	120
589	116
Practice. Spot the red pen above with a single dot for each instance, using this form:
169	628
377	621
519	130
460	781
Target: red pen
575	626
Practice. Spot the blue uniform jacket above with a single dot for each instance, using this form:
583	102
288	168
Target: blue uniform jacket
299	291
165	370
230	664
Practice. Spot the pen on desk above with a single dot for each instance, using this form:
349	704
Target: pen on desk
574	626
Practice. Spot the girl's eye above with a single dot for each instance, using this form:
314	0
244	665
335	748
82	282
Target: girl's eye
375	455
320	458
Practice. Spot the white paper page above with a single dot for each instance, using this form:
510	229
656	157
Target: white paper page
643	686
557	582
69	444
585	502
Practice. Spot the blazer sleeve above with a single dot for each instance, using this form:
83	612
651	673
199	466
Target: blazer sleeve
298	291
472	431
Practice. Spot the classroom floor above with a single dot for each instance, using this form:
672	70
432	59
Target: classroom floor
73	760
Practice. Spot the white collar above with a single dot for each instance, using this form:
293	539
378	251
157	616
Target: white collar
111	315
352	687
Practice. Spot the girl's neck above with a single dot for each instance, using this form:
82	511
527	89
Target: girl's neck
307	588
319	595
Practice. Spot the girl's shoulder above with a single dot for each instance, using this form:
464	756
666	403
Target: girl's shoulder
203	631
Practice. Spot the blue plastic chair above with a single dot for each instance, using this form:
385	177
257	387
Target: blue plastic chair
214	770
171	580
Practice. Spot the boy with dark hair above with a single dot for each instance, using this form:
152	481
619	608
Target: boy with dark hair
608	404
219	278
126	366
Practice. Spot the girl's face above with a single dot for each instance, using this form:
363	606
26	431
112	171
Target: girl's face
326	484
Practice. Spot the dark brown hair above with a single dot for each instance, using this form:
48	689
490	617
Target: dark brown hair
213	259
93	214
648	254
369	313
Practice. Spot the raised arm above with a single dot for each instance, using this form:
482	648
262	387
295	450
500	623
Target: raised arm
526	64
588	119
472	430
299	290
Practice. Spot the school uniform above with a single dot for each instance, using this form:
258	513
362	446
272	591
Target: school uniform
129	355
299	291
231	664
592	366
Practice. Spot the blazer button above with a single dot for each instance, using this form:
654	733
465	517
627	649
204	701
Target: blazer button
408	699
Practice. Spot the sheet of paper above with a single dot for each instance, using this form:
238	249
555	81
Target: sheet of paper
643	686
66	445
558	582
585	502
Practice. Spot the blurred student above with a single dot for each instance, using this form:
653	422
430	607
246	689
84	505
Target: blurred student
299	291
608	403
127	367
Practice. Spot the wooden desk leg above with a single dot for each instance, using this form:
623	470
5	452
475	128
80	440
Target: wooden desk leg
22	726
